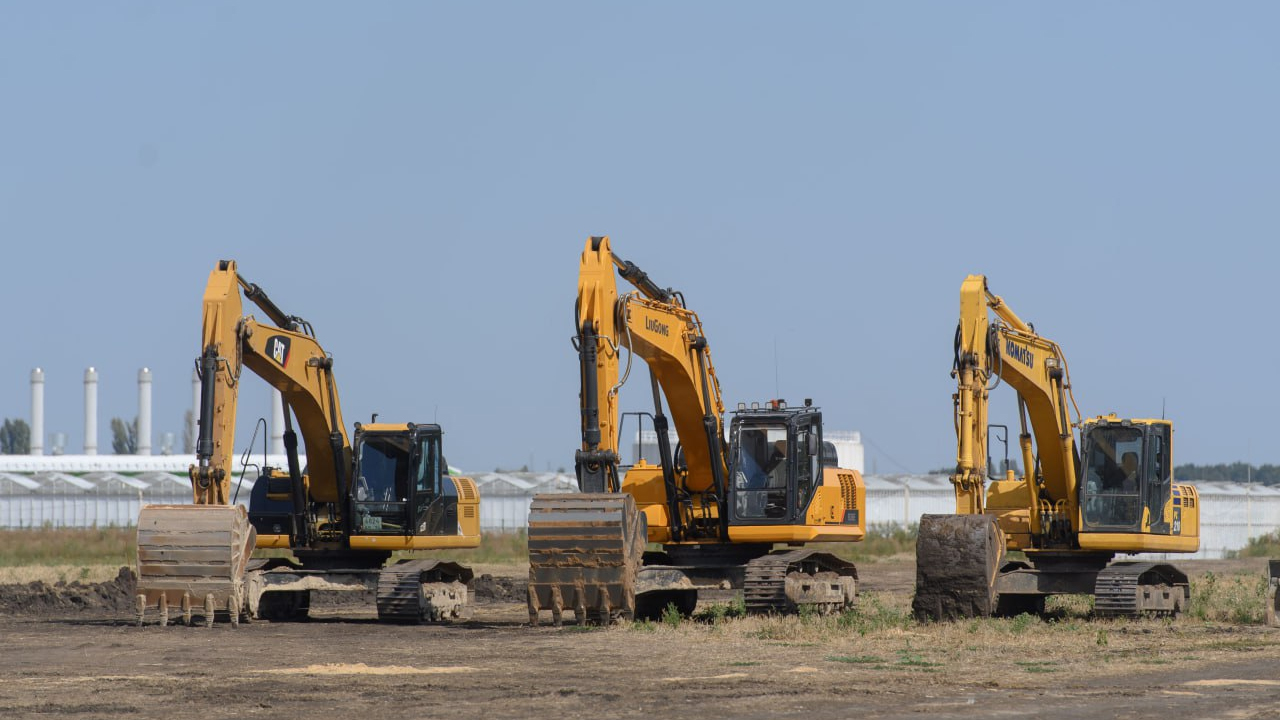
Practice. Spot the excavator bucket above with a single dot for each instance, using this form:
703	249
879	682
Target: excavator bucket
584	552
957	559
193	558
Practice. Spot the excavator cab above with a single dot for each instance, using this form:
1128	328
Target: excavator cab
399	482
774	458
1128	477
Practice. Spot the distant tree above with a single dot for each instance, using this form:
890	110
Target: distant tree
15	437
1229	472
124	436
188	434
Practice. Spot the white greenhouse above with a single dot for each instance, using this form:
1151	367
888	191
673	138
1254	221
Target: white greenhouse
105	490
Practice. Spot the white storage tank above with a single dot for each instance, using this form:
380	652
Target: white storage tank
848	448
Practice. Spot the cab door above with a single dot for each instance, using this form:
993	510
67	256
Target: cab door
435	499
1159	479
807	458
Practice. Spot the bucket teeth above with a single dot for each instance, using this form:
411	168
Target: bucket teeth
192	551
584	552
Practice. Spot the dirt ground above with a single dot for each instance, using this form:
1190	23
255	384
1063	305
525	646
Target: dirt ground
63	656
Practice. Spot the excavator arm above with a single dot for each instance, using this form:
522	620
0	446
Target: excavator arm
1009	349
289	359
654	325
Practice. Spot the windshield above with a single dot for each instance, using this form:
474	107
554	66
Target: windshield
1113	477
760	471
384	468
762	455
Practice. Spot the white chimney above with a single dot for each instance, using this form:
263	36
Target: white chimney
37	412
90	412
144	411
277	423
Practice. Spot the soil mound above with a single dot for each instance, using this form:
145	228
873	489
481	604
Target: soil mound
40	598
490	589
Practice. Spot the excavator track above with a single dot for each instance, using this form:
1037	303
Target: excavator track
957	560
585	550
786	581
415	591
1133	589
192	559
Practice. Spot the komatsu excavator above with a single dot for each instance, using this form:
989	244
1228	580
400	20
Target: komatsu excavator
718	504
357	502
1079	504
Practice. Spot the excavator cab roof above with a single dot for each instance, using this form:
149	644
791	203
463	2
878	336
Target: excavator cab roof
420	428
772	410
1113	419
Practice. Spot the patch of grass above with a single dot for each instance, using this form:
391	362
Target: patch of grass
1236	599
718	613
84	547
856	659
743	663
496	548
881	540
1022	622
1068	606
644	626
1267	546
910	658
1245	644
80	547
671	616
871	614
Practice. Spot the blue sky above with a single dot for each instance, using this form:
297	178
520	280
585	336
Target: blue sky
418	179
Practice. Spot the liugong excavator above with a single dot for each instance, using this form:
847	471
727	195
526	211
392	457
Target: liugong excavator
718	504
1073	510
358	502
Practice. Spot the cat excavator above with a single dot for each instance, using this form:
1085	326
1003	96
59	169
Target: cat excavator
717	504
359	500
1080	502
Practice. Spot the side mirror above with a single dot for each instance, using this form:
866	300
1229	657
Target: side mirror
812	444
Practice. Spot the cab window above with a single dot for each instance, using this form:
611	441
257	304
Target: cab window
428	470
1113	477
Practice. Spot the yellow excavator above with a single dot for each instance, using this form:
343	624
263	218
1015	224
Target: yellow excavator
1079	504
356	503
717	504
